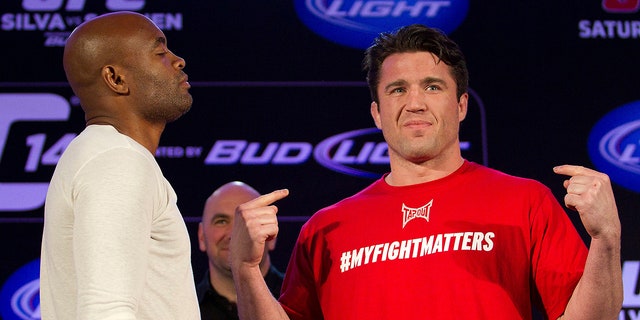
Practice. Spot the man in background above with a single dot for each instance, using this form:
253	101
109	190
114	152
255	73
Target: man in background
216	291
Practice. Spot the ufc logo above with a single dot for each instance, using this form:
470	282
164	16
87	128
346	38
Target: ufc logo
78	5
15	107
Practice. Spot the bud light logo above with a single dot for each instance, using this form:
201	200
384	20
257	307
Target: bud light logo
372	153
20	295
614	145
355	23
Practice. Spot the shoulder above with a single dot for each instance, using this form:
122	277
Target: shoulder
100	153
105	145
203	286
499	179
342	209
491	185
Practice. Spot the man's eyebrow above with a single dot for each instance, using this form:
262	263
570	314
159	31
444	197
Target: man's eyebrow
432	80
427	80
396	83
220	215
160	41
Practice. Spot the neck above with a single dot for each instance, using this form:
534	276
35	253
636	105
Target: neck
146	134
223	284
404	173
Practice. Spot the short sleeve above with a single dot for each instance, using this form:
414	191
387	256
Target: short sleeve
558	255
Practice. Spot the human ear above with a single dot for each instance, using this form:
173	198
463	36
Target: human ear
375	114
114	80
201	241
463	105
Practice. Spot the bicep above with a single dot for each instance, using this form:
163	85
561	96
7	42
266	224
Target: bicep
112	218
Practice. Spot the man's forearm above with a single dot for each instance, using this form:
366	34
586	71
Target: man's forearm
255	301
599	294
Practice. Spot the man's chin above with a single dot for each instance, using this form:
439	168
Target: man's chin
178	116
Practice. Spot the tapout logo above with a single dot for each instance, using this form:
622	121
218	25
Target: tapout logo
355	23
20	295
614	145
409	213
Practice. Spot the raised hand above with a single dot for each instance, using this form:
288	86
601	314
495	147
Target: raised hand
255	223
589	192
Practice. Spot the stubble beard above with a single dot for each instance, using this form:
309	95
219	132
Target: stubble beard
167	105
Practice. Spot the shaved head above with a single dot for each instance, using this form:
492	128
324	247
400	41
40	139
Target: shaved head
119	66
233	193
96	43
214	232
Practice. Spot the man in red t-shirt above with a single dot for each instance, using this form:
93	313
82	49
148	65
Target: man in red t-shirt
438	237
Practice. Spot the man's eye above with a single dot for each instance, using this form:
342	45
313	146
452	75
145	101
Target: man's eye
397	90
220	222
432	88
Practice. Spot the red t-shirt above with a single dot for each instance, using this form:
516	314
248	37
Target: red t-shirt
477	244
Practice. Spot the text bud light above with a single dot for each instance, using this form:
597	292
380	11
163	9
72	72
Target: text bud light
355	23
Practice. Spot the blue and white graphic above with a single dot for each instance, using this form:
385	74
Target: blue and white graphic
614	145
20	295
36	107
631	302
355	23
371	153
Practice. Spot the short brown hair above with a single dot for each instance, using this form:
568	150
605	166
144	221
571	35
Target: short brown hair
415	38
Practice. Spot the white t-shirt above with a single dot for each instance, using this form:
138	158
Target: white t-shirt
115	245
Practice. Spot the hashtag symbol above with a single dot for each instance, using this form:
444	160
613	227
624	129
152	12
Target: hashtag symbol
345	261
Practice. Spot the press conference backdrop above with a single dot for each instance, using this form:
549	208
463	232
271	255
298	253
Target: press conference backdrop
280	101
